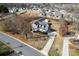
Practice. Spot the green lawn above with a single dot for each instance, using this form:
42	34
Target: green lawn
73	52
54	52
56	47
4	49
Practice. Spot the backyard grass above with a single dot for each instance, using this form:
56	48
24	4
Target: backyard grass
72	28
73	48
73	51
5	50
56	47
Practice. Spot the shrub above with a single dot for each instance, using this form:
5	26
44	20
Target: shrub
3	9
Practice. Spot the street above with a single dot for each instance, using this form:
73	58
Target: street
26	50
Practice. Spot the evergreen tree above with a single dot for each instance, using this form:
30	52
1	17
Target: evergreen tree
3	9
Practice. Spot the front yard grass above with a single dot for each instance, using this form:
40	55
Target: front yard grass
38	43
73	48
1	27
53	52
73	51
56	48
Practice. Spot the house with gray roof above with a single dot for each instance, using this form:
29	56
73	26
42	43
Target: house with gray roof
40	25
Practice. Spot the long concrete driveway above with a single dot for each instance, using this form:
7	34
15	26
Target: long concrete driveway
47	47
65	49
26	50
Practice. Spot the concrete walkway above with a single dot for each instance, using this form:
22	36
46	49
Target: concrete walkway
65	51
47	47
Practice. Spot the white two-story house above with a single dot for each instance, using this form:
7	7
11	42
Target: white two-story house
40	25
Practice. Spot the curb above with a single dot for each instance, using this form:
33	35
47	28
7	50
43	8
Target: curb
44	53
25	44
11	48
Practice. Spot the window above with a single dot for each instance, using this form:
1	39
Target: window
57	16
37	26
44	26
41	25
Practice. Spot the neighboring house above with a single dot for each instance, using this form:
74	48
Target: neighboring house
12	10
20	9
58	14
46	11
40	25
39	12
35	8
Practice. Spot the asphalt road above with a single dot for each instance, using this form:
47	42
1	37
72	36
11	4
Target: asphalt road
26	50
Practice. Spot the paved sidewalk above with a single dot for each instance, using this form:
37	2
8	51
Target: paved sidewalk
47	47
65	51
